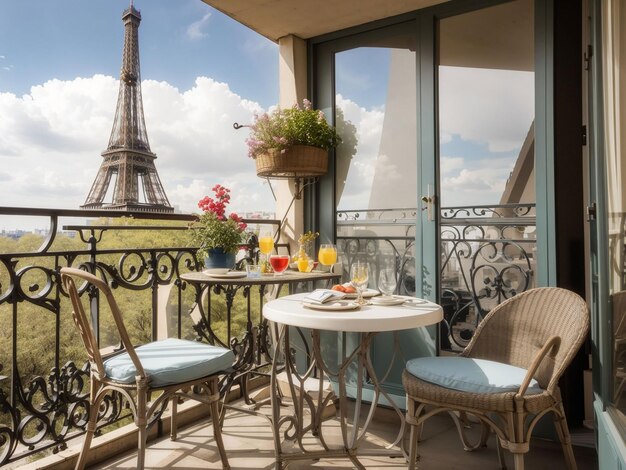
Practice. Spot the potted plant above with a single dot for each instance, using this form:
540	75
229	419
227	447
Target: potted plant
218	236
291	142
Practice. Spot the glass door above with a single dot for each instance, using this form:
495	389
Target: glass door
435	176
485	85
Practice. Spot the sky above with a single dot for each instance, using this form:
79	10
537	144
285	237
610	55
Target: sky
59	69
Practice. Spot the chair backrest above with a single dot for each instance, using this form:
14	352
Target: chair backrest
514	331
83	321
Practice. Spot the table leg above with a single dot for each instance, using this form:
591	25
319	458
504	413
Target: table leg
352	434
275	398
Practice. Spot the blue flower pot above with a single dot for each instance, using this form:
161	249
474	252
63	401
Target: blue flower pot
218	259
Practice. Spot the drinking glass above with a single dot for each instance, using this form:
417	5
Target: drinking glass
358	278
327	254
266	242
387	281
305	265
279	263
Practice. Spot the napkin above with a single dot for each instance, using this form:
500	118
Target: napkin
321	296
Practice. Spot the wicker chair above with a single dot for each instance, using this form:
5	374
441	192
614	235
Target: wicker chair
172	368
529	340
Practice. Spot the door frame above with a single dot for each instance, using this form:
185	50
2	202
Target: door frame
321	203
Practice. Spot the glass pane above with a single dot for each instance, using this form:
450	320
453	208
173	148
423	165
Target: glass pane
376	161
614	58
485	79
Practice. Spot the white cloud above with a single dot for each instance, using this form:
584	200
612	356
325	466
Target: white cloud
483	183
51	140
493	107
369	126
195	30
450	164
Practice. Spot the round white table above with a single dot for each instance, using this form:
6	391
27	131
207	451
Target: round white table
289	310
368	320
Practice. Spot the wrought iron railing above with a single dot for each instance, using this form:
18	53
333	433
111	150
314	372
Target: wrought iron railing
44	399
487	254
385	238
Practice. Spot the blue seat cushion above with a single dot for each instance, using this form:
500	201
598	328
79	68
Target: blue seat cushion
170	361
470	375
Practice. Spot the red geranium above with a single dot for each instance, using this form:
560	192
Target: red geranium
214	229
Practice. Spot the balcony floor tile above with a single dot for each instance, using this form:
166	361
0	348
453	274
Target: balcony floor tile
249	445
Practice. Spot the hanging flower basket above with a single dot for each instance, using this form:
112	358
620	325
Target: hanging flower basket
297	161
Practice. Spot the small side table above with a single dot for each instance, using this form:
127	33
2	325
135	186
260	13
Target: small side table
252	350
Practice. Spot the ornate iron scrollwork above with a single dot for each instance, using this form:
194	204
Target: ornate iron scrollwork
486	256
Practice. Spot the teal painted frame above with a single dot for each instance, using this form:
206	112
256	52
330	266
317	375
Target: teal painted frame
601	330
427	161
544	143
321	62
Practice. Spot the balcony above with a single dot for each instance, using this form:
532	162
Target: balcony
44	384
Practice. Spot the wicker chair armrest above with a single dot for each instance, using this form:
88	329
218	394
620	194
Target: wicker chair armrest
551	346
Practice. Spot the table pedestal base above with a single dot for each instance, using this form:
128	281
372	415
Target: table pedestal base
304	428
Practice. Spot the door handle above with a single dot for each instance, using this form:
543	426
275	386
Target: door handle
428	204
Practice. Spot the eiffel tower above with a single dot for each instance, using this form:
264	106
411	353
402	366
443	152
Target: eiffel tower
128	159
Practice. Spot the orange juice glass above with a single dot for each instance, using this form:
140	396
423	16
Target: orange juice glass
305	264
266	244
327	255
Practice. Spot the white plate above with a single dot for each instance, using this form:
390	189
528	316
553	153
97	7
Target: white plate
366	294
216	271
228	275
335	305
414	302
387	300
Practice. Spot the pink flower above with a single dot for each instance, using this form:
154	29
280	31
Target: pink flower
218	205
300	124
